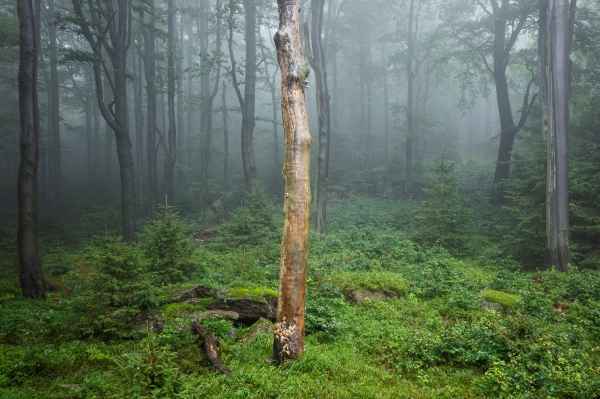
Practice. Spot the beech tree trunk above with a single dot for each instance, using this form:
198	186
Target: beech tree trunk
53	112
247	102
30	269
558	252
225	144
410	81
206	145
319	65
289	331
386	104
116	44
249	96
151	121
171	150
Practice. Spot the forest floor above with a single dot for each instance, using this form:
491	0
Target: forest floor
430	336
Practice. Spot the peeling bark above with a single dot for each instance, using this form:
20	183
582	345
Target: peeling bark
289	333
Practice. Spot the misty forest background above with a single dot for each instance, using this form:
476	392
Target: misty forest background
429	277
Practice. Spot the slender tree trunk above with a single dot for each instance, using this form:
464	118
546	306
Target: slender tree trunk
206	147
190	93
386	104
151	120
30	269
271	82
319	65
96	145
289	331
180	119
108	143
225	144
249	96
53	111
410	80
171	151
89	139
139	124
558	252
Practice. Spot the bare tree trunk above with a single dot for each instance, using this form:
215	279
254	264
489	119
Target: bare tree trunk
171	151
53	111
319	65
558	252
151	121
289	332
410	80
30	269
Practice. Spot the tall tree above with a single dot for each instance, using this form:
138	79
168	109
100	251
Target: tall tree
150	77
171	147
289	331
319	65
208	104
556	103
106	26
53	111
30	269
410	82
248	100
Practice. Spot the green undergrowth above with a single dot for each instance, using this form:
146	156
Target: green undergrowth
434	340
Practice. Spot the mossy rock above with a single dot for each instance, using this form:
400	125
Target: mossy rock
504	299
250	293
368	282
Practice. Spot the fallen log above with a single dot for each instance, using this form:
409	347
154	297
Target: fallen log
211	348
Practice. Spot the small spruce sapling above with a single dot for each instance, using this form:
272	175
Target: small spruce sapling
168	246
443	217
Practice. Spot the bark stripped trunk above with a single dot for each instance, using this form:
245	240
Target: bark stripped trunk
319	65
558	252
30	269
171	150
289	332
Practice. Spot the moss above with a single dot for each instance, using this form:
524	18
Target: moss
252	293
6	297
504	299
368	281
